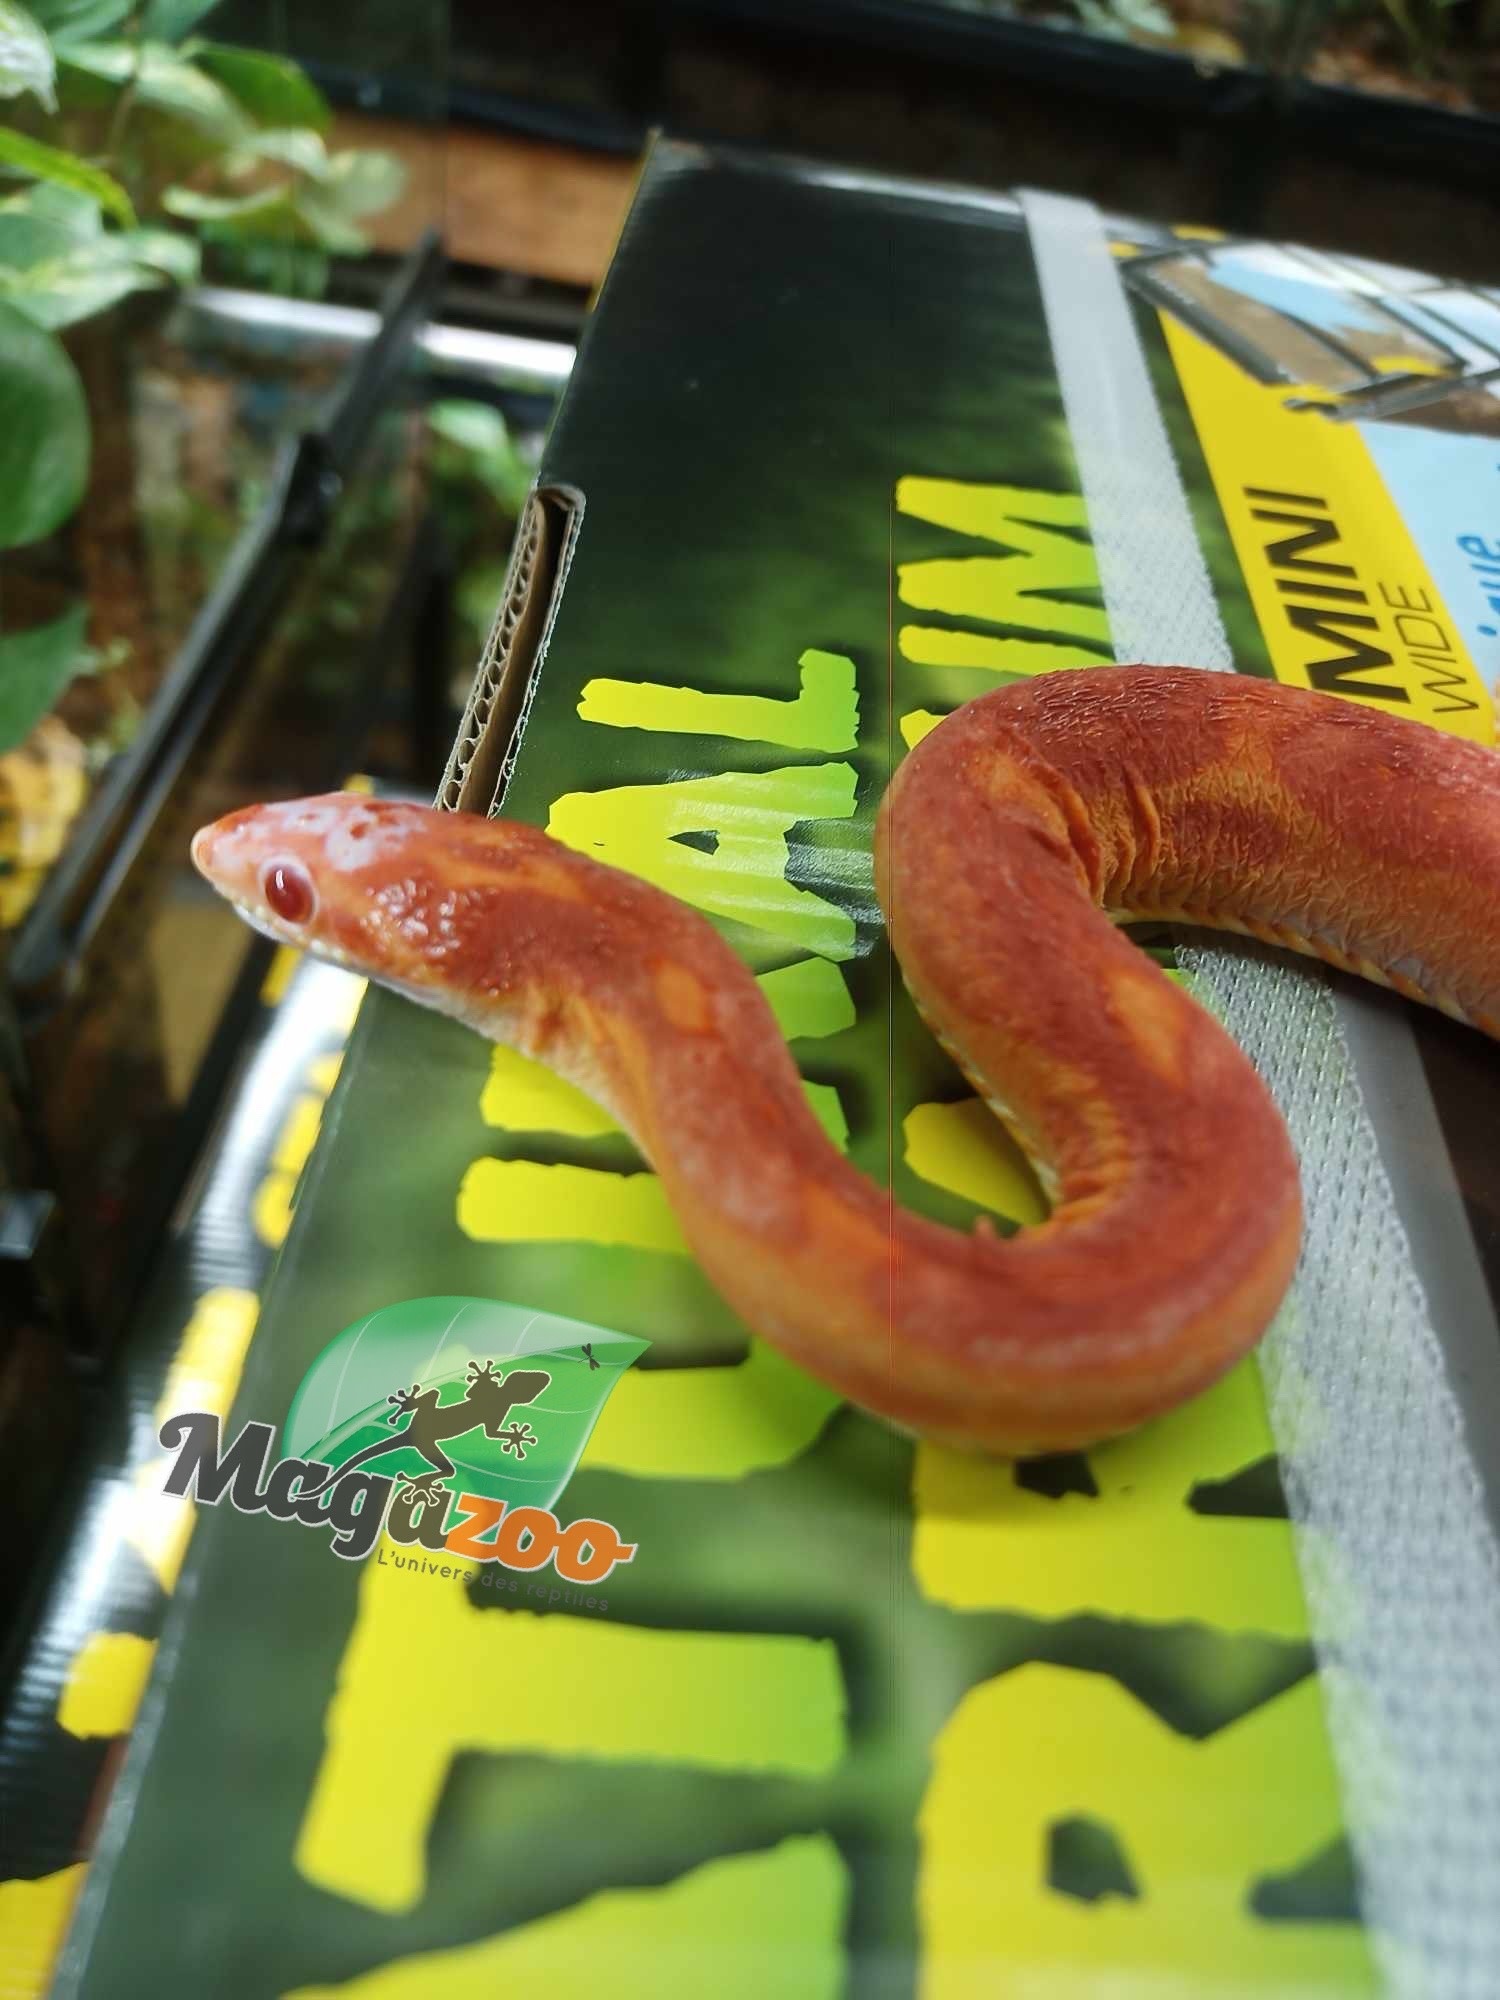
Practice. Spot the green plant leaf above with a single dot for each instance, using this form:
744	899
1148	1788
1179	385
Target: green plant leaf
51	163
195	207
298	147
35	667
44	431
477	427
57	274
26	59
45	222
79	20
284	214
289	264
75	288
274	216
479	433
176	256
272	90
27	237
362	183
24	241
162	79
327	224
169	20
64	207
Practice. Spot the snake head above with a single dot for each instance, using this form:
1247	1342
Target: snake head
420	900
363	882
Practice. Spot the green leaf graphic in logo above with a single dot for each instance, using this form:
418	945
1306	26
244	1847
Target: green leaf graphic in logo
491	1399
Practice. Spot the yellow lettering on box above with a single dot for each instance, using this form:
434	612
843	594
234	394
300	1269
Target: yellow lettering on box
824	715
748	814
1197	1823
765	1926
508	1680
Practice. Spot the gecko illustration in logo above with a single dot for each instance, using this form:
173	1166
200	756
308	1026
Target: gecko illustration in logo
487	1401
469	1460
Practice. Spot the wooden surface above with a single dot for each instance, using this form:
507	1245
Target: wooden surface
511	204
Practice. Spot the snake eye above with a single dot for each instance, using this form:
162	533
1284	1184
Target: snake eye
288	891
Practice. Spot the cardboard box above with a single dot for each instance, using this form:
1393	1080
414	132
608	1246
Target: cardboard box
854	1715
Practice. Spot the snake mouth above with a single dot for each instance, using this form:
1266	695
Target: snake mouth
272	927
269	927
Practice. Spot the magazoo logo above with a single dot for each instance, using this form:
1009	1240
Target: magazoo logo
451	1423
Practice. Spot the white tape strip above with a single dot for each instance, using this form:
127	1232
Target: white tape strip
1398	1561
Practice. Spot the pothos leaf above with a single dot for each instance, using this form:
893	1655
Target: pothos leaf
481	434
169	20
44	431
79	20
327	222
28	237
74	288
294	214
45	222
289	265
57	274
51	163
298	147
176	256
162	79
192	206
474	426
61	208
35	667
272	90
361	182
26	59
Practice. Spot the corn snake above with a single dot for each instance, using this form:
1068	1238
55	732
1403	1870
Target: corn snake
1007	842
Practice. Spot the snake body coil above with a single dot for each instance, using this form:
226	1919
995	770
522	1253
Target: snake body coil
1006	843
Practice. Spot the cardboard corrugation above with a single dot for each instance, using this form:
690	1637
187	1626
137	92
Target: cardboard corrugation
479	764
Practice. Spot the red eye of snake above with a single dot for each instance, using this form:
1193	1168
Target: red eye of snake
288	892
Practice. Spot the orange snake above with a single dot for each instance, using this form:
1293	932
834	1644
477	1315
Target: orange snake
1007	841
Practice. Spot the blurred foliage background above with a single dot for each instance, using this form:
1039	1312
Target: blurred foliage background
133	149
